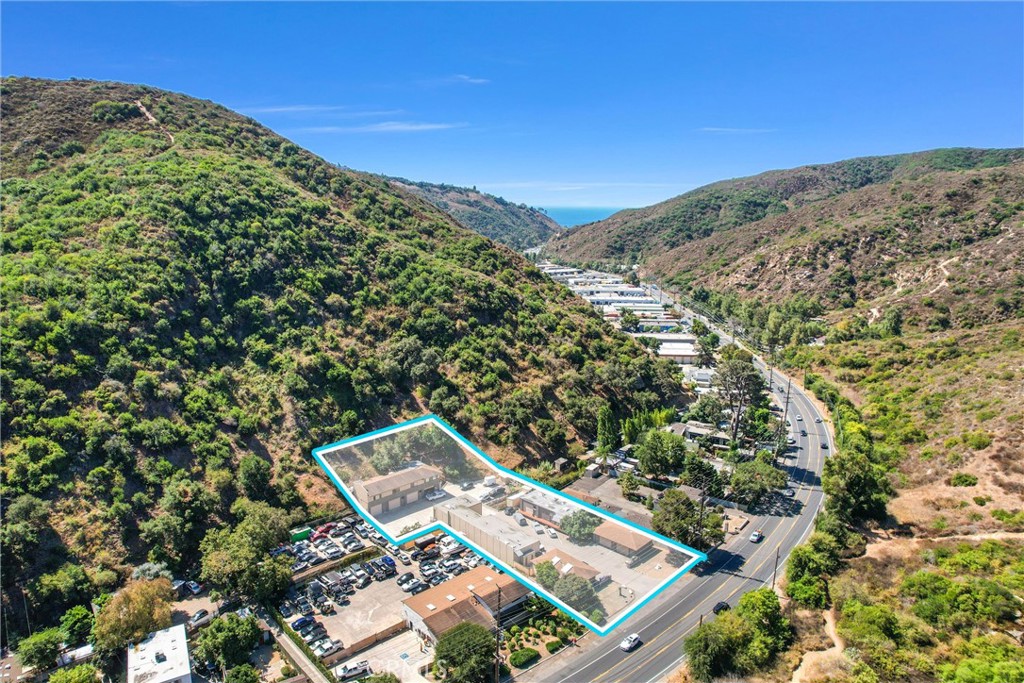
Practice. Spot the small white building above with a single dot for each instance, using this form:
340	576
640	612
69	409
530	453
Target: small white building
161	658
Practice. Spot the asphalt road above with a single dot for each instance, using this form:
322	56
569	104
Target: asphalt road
737	567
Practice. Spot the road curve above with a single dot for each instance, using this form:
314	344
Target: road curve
737	567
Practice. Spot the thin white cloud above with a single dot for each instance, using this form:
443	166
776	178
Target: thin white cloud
736	131
385	127
456	79
334	111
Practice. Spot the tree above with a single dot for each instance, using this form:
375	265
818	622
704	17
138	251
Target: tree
740	385
629	321
661	452
707	651
699	327
39	651
629	483
576	592
761	609
83	673
855	487
752	479
679	518
237	558
546	574
254	476
708	409
607	428
707	345
138	609
76	624
465	654
579	526
228	640
244	673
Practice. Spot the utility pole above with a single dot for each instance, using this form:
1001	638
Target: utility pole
497	638
776	572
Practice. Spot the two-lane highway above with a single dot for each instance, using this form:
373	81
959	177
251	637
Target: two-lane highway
736	567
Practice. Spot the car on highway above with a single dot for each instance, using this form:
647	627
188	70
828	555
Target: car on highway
799	418
818	420
757	536
803	432
720	607
824	445
788	493
630	642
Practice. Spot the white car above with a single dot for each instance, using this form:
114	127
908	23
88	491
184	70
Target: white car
436	494
630	642
552	533
799	418
353	670
538	527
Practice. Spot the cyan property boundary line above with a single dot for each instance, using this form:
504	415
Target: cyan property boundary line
318	453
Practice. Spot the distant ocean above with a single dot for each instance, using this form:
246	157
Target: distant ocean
568	216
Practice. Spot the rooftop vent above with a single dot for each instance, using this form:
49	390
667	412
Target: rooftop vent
431	606
160	657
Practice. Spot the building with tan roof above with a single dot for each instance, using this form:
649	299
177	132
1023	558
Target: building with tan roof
567	564
622	539
395	489
474	597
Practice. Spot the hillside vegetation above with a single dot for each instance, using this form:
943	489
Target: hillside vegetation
635	234
516	225
191	303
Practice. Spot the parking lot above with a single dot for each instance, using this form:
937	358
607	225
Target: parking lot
359	604
402	655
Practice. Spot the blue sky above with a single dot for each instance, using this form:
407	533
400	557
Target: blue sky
563	104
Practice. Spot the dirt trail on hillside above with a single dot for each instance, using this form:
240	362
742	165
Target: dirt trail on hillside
880	547
819	663
152	119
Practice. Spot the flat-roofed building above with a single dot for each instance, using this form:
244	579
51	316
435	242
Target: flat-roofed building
499	536
622	539
474	597
545	507
162	657
395	489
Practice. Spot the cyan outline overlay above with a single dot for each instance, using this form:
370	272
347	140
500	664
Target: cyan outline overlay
697	556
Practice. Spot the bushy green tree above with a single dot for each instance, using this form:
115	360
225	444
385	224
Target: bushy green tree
228	641
576	592
546	574
237	559
244	673
579	525
83	673
607	428
254	476
76	624
465	654
39	650
136	610
753	479
661	452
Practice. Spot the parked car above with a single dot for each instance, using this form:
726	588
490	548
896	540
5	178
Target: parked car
552	533
285	610
630	642
200	618
466	485
436	494
418	588
538	527
720	607
404	559
301	623
327	649
353	670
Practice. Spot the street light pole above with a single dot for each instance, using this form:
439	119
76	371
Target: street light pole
776	572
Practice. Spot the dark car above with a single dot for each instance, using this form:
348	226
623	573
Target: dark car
720	607
301	623
419	588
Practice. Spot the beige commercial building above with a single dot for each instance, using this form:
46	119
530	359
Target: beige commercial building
393	490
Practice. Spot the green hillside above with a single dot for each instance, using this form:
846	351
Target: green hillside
634	234
517	225
191	303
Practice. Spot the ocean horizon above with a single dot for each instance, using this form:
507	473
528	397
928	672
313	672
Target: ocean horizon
570	216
